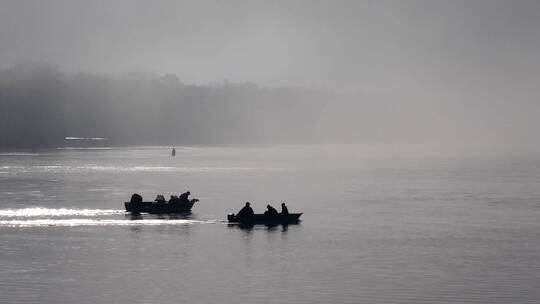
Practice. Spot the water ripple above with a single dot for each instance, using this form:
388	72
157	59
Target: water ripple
100	168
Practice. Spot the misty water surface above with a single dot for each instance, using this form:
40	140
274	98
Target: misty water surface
374	229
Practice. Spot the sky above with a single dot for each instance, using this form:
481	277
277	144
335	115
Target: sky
342	45
468	66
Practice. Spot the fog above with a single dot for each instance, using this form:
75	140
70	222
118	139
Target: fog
449	75
42	106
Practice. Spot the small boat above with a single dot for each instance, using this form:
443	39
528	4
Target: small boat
290	218
174	205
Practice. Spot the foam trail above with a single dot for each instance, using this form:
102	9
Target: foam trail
40	212
92	222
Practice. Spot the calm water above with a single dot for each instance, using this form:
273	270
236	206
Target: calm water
374	229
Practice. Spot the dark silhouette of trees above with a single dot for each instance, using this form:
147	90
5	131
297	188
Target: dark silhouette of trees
40	106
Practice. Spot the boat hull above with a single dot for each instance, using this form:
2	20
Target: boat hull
290	218
160	208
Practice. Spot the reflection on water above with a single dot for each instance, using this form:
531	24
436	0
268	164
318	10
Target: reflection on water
268	227
188	215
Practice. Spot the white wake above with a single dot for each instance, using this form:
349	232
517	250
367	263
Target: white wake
93	222
42	212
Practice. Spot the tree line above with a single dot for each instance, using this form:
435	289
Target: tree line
40	106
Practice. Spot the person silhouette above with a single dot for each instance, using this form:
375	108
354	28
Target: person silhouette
184	197
173	152
271	211
284	209
246	213
136	203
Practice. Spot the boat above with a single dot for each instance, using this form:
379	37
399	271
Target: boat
174	205
290	218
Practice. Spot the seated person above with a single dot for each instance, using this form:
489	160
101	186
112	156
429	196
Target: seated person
160	199
271	211
136	198
173	200
246	212
136	204
284	209
184	197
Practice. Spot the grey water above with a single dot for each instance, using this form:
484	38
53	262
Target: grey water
375	229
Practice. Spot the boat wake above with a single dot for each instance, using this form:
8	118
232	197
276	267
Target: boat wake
56	212
94	222
66	217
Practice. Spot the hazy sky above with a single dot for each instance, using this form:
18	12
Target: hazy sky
456	72
334	44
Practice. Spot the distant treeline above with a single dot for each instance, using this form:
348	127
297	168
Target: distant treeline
40	106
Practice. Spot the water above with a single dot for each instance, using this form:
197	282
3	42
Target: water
374	229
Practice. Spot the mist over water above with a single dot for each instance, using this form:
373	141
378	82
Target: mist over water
455	76
404	130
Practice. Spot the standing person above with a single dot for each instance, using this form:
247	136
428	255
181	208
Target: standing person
246	213
173	152
284	209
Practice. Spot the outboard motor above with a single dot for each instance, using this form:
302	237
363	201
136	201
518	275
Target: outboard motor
136	203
